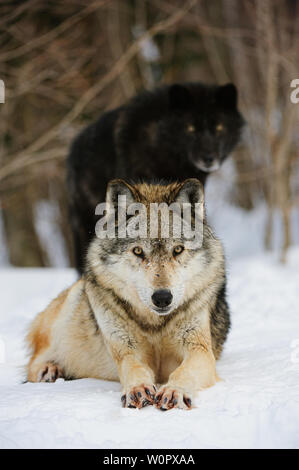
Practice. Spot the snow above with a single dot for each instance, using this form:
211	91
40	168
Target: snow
256	405
49	233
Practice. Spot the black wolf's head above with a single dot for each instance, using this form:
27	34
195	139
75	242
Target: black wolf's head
203	123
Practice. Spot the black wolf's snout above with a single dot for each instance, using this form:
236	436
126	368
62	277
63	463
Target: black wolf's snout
209	159
162	298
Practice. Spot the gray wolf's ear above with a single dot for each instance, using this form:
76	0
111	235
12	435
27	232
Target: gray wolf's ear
119	187
190	191
227	96
179	97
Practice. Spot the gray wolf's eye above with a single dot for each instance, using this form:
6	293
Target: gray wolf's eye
191	128
138	251
219	128
178	250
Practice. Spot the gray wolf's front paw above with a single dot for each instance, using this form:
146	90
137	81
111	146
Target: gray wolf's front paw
169	397
49	373
138	396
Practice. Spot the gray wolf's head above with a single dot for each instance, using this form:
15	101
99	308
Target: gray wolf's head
158	273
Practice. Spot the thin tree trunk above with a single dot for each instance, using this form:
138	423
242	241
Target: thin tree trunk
22	241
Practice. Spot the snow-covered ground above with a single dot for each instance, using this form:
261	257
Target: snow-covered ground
256	404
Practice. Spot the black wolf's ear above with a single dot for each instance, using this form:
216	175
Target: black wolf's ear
119	187
227	96
179	97
190	191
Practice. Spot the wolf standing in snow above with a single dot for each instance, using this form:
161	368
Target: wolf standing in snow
172	133
147	310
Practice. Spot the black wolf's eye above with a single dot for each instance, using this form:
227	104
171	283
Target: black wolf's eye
178	250
138	251
219	128
191	128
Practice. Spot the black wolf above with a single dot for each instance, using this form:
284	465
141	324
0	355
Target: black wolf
172	133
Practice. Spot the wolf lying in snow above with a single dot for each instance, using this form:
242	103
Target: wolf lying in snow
147	311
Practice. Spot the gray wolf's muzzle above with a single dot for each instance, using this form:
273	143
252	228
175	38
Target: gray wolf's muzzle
162	299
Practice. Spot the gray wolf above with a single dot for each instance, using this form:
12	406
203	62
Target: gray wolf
146	311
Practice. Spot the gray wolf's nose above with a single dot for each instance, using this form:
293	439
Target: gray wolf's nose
162	298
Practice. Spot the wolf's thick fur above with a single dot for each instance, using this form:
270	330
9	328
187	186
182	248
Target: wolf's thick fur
106	324
173	132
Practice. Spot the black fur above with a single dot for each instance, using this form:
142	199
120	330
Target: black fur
169	133
220	321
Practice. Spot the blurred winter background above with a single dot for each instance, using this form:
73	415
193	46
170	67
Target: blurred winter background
66	62
63	64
